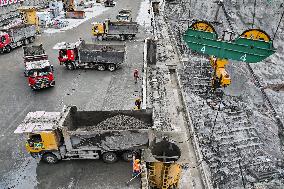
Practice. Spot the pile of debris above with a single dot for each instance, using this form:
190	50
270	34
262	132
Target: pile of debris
118	122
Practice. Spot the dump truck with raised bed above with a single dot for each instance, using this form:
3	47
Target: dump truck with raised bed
87	55
37	68
16	36
121	30
72	134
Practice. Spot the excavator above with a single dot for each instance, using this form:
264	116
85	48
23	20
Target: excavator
252	46
70	12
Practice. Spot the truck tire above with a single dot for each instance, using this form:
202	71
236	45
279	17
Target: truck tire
109	157
130	37
50	158
52	84
26	41
122	37
101	67
70	66
8	49
127	156
32	39
111	67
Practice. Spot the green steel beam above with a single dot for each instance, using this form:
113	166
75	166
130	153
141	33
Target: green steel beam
242	49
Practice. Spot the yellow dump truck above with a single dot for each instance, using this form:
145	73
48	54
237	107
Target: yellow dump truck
72	134
121	30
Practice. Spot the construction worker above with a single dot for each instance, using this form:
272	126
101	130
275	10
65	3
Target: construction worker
138	103
136	166
136	75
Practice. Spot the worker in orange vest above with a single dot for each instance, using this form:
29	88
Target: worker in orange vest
136	166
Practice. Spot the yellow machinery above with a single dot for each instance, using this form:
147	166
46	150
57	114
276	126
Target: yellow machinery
164	175
220	77
69	5
251	46
29	16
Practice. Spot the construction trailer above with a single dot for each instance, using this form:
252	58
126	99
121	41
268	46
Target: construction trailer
121	30
37	68
16	36
87	55
72	134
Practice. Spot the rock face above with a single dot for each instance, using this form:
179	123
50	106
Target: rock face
237	128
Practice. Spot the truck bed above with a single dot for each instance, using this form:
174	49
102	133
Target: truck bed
116	28
102	53
34	53
21	31
107	130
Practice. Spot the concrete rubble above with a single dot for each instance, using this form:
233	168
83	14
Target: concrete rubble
118	122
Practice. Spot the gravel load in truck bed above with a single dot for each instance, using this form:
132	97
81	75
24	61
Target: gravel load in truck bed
118	122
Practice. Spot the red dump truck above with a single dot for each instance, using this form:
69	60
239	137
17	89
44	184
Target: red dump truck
37	68
87	55
72	134
16	36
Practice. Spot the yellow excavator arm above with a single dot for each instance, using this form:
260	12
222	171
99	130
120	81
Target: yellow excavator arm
221	78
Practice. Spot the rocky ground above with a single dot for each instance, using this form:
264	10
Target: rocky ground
238	133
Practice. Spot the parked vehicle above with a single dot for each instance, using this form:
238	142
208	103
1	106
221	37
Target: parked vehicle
16	36
72	134
121	30
109	3
124	15
37	68
84	55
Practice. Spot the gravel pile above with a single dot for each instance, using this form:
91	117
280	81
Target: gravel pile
119	122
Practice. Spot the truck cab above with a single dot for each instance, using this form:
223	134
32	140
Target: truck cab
40	74
68	54
100	29
4	41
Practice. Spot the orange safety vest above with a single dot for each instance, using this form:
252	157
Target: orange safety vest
136	167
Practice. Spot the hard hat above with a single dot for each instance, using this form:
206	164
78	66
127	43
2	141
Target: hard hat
137	160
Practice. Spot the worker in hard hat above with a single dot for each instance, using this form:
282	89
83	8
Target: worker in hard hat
136	166
138	103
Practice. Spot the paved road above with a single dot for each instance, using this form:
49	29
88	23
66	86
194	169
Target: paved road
88	89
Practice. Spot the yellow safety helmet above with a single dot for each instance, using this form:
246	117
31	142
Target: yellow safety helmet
137	160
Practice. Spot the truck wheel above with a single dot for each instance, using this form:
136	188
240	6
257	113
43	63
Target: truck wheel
70	66
32	39
122	37
130	37
109	157
50	158
127	156
26	42
52	84
101	67
8	49
111	67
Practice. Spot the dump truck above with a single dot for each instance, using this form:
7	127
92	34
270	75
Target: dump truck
73	134
37	68
87	55
16	36
121	30
124	15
